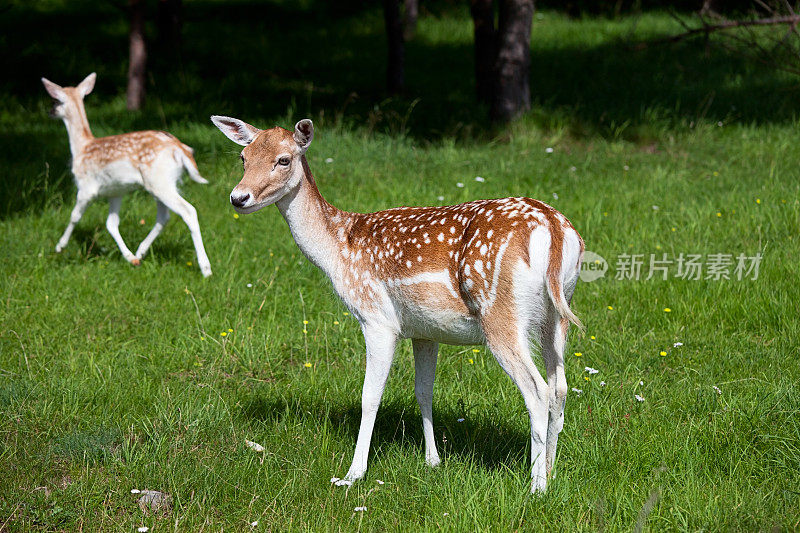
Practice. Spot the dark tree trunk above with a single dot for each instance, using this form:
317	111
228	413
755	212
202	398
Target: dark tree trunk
512	92
395	75
138	56
410	19
485	48
169	23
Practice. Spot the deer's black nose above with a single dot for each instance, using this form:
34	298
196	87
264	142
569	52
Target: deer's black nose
239	201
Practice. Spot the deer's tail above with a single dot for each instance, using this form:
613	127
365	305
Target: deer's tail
184	154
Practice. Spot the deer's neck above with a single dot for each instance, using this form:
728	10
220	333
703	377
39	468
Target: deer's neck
316	225
79	132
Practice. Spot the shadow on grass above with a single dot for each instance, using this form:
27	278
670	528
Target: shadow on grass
489	443
272	62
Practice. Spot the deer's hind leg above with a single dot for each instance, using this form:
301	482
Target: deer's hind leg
507	327
554	336
161	181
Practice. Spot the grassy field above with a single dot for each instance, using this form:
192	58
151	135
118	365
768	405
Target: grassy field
115	378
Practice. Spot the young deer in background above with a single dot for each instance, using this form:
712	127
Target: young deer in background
109	167
499	272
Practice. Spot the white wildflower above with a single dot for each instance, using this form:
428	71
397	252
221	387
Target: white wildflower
459	184
677	344
602	383
329	160
549	150
479	179
626	167
577	391
641	383
249	285
379	482
143	529
655	207
135	491
716	389
360	509
460	420
446	514
555	196
573	169
254	523
638	398
254	445
591	370
440	198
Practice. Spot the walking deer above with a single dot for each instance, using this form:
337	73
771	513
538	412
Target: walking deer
109	167
500	272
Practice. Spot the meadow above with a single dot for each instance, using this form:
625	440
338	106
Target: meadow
114	378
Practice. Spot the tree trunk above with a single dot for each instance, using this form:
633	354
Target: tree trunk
410	19
512	92
485	48
395	75
169	23
138	56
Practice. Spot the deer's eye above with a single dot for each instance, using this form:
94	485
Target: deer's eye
285	160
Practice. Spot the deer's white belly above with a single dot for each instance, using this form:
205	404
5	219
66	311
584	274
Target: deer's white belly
117	178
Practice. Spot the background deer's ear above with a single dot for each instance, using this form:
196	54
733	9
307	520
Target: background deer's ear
304	134
54	90
86	86
236	130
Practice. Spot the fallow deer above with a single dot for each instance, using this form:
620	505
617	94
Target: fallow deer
499	272
109	167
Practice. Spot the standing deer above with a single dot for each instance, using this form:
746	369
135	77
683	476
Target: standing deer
109	167
498	272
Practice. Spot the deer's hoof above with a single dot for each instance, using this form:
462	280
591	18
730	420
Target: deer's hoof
136	261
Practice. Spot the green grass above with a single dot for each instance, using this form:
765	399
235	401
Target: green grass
114	378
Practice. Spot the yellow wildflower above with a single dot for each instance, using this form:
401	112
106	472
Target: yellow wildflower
346	313
188	263
475	350
223	334
305	321
674	229
578	354
471	361
236	215
587	378
592	337
662	353
305	330
610	307
307	365
719	214
667	310
230	330
335	322
758	200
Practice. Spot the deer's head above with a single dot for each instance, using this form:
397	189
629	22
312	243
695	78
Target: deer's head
272	159
68	101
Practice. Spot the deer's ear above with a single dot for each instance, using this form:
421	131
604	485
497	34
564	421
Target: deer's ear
304	134
236	130
86	86
54	90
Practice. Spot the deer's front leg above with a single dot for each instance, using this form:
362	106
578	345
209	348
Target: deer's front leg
77	212
112	225
425	353
380	352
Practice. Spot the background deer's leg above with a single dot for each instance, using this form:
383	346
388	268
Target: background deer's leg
112	225
162	217
81	203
